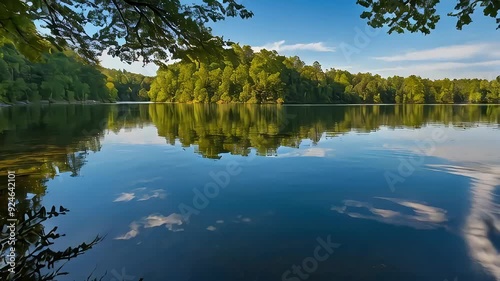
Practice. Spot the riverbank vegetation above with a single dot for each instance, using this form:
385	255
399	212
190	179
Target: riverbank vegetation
267	77
239	75
63	76
211	69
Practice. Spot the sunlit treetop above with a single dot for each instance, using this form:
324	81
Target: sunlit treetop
421	15
147	30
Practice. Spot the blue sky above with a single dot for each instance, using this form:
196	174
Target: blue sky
332	33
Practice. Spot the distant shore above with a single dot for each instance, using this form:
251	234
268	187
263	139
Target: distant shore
49	102
88	102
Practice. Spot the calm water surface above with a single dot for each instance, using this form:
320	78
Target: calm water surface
241	192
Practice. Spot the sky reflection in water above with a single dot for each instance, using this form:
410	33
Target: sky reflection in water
319	173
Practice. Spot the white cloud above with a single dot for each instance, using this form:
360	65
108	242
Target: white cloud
142	194
453	52
108	61
487	69
142	181
172	222
125	197
441	66
134	231
159	193
344	67
280	46
420	216
147	135
309	152
483	218
159	220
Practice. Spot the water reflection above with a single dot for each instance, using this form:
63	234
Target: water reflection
42	143
421	215
34	256
172	222
237	128
480	163
141	194
76	129
482	225
39	144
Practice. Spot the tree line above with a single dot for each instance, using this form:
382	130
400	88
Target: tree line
63	76
236	75
243	75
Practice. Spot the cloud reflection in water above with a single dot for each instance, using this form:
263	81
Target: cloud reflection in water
172	223
141	195
422	217
483	221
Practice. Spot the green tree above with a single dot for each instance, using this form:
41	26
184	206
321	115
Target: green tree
413	89
421	15
129	29
267	77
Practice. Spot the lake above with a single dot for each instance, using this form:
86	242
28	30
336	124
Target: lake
269	192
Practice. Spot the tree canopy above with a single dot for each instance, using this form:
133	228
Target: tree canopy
240	75
61	76
421	15
158	30
151	30
267	77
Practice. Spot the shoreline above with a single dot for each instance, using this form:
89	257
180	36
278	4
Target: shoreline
47	102
93	102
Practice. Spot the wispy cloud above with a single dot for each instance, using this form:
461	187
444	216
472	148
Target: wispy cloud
418	215
483	219
125	197
142	194
147	135
134	231
281	46
453	52
487	69
344	67
159	220
310	152
172	222
109	61
159	193
440	66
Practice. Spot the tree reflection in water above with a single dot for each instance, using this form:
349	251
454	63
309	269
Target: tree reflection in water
35	259
41	142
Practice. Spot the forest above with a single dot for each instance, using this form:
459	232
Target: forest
233	75
64	77
243	75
